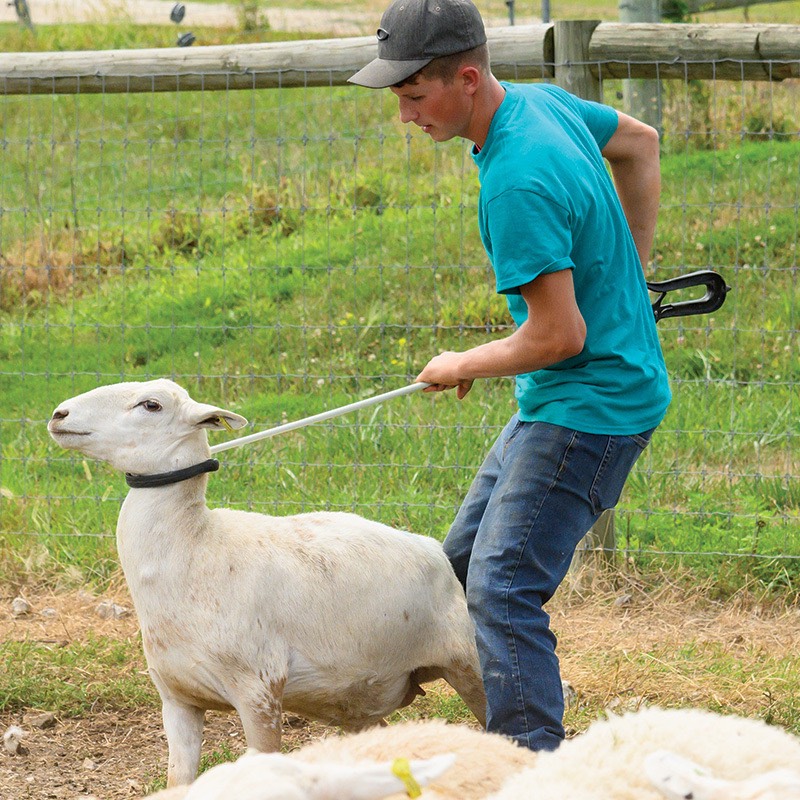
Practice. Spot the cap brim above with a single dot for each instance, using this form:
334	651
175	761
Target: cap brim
381	73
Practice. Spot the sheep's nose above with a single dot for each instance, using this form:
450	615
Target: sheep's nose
59	414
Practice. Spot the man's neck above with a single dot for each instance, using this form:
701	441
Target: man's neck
487	102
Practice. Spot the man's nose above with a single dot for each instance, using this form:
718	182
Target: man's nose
407	114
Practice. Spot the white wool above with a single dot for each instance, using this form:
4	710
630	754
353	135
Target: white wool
609	760
481	761
653	754
327	615
678	778
272	776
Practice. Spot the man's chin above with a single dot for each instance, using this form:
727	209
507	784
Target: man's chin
439	135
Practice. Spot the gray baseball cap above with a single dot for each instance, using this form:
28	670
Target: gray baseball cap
414	32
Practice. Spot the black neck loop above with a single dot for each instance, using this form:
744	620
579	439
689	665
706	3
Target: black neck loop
166	478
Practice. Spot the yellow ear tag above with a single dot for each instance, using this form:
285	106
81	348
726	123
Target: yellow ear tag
402	770
225	424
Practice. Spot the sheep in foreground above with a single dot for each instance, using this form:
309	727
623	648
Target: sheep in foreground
679	778
327	615
272	776
652	754
482	762
709	757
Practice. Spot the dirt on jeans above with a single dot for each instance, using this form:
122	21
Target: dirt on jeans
615	650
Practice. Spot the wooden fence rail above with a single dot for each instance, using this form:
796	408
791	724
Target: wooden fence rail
611	50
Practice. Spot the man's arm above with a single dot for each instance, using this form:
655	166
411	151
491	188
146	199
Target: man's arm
633	154
554	331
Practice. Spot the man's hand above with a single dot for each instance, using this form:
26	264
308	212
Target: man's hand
442	372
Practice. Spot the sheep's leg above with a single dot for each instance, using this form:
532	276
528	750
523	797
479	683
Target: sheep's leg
184	728
262	723
467	681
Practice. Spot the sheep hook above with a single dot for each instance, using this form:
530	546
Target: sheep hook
325	415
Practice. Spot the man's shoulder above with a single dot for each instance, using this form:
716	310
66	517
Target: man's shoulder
536	92
528	136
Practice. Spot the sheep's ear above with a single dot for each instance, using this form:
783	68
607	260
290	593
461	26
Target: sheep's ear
375	781
215	419
677	777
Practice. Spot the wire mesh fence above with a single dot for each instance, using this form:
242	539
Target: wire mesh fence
283	251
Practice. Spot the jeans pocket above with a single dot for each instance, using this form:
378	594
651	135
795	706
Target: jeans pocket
514	426
618	460
642	439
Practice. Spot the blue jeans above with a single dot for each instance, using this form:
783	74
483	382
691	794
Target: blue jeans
536	495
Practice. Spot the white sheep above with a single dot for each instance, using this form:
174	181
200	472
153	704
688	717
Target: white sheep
648	755
483	761
326	615
708	757
678	778
272	776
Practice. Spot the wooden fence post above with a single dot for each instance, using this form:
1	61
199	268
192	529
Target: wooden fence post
573	73
571	53
642	96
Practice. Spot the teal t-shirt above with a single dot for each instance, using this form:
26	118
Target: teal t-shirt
547	203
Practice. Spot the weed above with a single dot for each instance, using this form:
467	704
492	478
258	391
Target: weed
75	677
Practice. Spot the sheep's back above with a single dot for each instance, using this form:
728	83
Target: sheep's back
352	599
483	760
342	556
608	759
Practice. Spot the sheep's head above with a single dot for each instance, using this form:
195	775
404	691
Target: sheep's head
147	427
274	776
678	778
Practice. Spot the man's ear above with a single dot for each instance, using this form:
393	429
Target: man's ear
471	78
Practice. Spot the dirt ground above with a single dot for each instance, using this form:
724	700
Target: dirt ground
106	755
336	20
110	755
217	15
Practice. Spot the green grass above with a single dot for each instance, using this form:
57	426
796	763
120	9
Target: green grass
76	677
697	673
287	251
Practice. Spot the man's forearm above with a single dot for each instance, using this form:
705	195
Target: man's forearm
522	351
639	191
633	154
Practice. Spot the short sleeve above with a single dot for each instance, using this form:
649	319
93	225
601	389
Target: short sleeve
528	235
601	120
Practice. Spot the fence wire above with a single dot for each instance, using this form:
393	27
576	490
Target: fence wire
285	251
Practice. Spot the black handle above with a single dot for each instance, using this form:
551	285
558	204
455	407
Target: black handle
716	289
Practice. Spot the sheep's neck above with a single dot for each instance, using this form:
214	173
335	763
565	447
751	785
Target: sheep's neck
158	528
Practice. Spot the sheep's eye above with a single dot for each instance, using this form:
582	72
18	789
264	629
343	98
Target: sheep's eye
151	405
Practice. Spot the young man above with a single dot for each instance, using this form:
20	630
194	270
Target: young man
567	250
